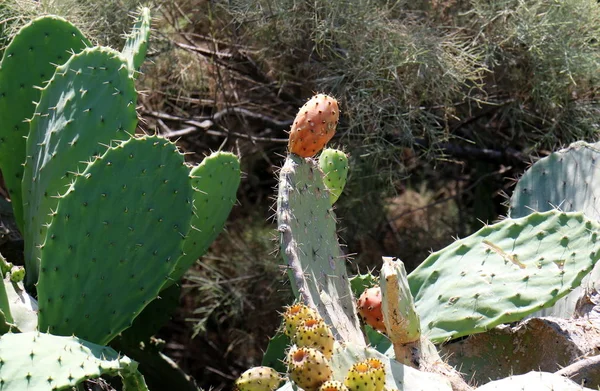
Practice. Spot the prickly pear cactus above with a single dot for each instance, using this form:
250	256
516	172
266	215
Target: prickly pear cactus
310	248
28	62
503	272
136	44
314	125
565	180
334	164
37	361
89	102
533	381
123	221
215	182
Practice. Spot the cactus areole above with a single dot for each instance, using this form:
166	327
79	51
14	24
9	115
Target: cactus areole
314	125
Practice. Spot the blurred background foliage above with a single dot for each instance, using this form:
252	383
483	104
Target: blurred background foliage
444	103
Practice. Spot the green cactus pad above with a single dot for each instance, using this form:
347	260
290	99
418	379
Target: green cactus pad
334	164
28	62
114	240
88	103
40	362
310	247
215	182
21	307
533	381
566	180
137	41
503	272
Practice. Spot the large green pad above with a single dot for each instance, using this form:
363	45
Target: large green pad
503	272
334	164
136	44
21	307
28	62
114	240
566	179
533	381
215	182
310	247
40	362
89	102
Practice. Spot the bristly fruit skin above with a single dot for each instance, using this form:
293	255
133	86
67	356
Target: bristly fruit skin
367	375
369	308
314	125
258	379
294	315
315	333
308	368
333	385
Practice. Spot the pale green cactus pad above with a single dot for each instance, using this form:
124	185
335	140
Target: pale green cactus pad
310	247
503	272
567	180
28	62
533	381
40	362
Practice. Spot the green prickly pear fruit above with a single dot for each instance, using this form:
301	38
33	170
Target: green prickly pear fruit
308	368
17	273
315	333
367	375
258	379
333	385
294	315
334	164
369	308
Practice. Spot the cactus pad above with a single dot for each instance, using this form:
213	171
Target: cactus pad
137	41
215	182
114	239
310	248
89	102
533	381
36	361
334	164
503	272
566	180
28	62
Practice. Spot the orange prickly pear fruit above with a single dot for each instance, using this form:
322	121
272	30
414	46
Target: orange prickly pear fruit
369	308
314	125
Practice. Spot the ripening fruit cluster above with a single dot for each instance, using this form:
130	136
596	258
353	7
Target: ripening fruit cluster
308	360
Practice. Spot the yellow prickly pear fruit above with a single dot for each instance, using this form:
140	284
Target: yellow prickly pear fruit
333	385
294	315
367	375
258	379
308	368
315	333
314	125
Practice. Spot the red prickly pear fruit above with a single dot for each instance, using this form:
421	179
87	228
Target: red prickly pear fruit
314	125
369	308
333	385
258	379
308	368
294	315
362	376
314	333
